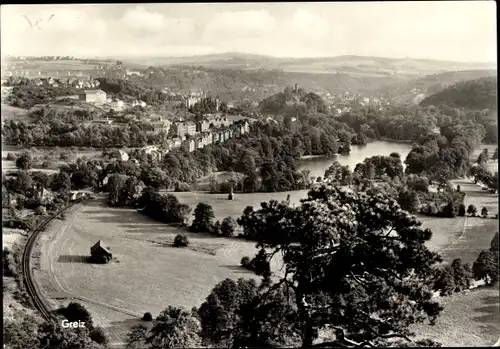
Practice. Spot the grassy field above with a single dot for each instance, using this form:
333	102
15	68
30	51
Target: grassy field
42	154
147	274
144	261
465	237
61	66
234	208
12	113
469	319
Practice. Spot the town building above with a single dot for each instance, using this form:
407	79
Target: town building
162	125
216	137
155	155
100	253
150	148
185	128
117	103
203	125
191	145
123	156
133	73
177	142
139	103
93	96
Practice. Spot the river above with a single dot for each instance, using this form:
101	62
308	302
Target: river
318	165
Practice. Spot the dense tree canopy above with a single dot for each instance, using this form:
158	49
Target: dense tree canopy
339	247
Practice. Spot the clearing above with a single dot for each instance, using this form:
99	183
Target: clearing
147	274
13	113
469	319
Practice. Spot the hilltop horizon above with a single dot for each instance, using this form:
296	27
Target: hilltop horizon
446	31
257	55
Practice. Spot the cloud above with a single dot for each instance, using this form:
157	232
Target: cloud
239	24
307	25
140	18
443	30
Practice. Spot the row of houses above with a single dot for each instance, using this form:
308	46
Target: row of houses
192	128
213	136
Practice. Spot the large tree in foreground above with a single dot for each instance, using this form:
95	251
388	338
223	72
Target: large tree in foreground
354	262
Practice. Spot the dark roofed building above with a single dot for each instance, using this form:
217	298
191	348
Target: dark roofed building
100	252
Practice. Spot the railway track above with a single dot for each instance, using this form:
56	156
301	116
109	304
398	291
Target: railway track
39	303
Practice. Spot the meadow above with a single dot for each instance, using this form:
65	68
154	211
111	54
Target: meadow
42	154
9	112
469	319
148	274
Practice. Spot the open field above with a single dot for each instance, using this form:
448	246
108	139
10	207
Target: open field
147	274
224	207
462	237
469	319
134	240
12	113
50	154
59	67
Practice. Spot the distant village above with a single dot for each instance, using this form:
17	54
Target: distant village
190	135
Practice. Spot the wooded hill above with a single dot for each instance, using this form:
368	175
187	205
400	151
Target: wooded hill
473	94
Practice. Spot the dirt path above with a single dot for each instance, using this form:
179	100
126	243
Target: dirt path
466	219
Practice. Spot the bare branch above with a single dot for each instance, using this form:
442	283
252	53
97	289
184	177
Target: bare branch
362	283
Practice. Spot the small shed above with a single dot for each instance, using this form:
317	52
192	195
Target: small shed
100	252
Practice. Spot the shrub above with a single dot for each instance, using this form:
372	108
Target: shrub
99	336
450	210
11	157
486	267
182	187
462	274
408	200
494	243
461	210
25	161
430	209
471	210
484	212
246	263
216	228
47	164
77	312
261	265
181	241
9	264
41	211
203	217
147	317
63	156
444	281
228	226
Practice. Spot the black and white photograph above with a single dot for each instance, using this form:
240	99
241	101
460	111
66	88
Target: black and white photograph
250	175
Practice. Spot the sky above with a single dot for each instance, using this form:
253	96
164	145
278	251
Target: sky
455	31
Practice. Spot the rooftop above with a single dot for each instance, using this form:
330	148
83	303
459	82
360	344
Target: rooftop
93	92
